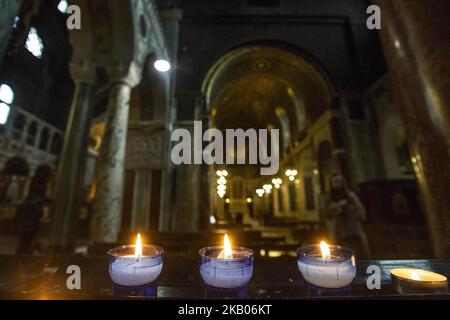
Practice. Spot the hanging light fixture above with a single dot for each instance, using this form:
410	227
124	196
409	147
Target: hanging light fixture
260	192
291	174
267	188
277	182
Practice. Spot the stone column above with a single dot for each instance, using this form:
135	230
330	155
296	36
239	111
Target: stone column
69	180
415	36
105	224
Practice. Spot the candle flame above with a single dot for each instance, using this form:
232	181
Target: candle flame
326	254
227	251
415	276
138	250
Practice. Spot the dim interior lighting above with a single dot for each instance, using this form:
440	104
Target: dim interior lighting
4	113
249	200
162	65
262	253
62	6
316	172
260	192
212	219
227	200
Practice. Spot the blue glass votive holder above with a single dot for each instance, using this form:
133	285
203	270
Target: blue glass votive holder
128	270
337	271
226	273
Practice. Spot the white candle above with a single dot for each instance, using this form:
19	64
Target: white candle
138	269
226	267
330	269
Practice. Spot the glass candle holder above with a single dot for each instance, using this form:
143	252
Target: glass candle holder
128	270
337	271
417	281
226	273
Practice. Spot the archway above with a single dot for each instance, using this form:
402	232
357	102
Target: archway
264	87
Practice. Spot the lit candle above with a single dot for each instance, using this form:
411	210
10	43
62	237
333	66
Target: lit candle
226	267
325	266
135	265
410	281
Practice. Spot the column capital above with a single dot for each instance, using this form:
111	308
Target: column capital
83	71
128	73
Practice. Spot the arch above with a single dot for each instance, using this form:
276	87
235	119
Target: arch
306	86
239	50
16	166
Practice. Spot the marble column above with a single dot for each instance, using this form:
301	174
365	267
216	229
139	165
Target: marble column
69	180
415	36
105	224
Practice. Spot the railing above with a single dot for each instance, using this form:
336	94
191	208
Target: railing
30	137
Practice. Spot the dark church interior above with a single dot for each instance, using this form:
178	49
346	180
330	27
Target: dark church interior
92	93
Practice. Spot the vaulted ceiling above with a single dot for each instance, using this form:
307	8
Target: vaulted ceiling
253	87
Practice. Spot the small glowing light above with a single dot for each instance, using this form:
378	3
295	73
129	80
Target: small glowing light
6	94
138	250
222	173
249	200
16	22
4	113
162	65
222	180
297	181
221	187
212	219
262	253
267	188
275	253
316	172
260	192
62	6
227	251
291	174
34	43
227	200
325	249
